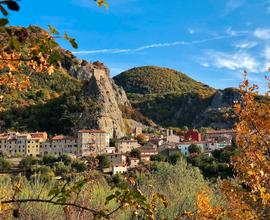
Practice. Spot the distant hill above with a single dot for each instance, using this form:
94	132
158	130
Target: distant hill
171	98
159	80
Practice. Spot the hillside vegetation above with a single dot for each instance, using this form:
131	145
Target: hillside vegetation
171	98
159	80
59	100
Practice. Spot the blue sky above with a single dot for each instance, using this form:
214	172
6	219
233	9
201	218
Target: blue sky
212	41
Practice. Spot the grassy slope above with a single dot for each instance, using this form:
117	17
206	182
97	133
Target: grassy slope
159	93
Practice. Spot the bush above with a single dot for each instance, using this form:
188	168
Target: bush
193	148
49	160
4	164
135	153
104	161
79	166
28	162
66	159
174	158
158	157
61	169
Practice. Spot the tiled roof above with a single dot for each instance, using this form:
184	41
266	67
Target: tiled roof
92	131
62	137
219	131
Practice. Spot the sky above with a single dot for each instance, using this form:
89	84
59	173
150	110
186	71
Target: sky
212	41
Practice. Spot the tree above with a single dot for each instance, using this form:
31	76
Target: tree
49	159
66	159
193	148
135	153
158	157
28	162
248	197
79	166
4	164
104	161
174	158
141	138
61	169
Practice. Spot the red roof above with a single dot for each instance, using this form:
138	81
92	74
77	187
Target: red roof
62	137
40	135
91	131
219	131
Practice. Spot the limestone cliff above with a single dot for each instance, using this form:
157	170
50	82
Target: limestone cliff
102	90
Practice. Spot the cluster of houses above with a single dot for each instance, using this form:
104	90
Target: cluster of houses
96	142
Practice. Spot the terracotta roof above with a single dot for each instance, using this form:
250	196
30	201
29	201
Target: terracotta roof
40	135
62	137
219	131
196	142
92	131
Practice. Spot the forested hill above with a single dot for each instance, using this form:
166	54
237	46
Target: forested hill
171	98
159	80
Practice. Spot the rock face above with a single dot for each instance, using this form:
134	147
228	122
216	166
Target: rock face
219	113
101	89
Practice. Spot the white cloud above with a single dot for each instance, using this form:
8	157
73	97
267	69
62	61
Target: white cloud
234	4
155	45
246	45
204	64
232	32
234	61
262	33
267	53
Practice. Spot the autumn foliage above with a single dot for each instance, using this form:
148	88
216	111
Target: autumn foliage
248	196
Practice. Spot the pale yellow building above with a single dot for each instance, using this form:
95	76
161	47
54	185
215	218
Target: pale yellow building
97	140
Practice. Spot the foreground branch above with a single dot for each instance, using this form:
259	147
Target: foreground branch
95	212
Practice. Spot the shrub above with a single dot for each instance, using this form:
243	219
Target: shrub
4	164
193	148
174	158
79	166
28	162
135	153
104	161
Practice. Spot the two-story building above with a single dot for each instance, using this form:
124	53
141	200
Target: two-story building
126	145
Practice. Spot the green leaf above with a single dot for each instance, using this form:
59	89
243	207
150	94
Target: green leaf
3	22
109	198
3	10
52	30
12	5
71	40
73	43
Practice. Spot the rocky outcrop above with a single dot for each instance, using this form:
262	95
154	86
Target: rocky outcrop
219	113
100	89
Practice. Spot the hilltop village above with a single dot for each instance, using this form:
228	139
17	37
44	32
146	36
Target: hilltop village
141	147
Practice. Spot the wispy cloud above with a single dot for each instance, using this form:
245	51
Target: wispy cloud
262	33
233	61
246	45
234	4
157	45
232	32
